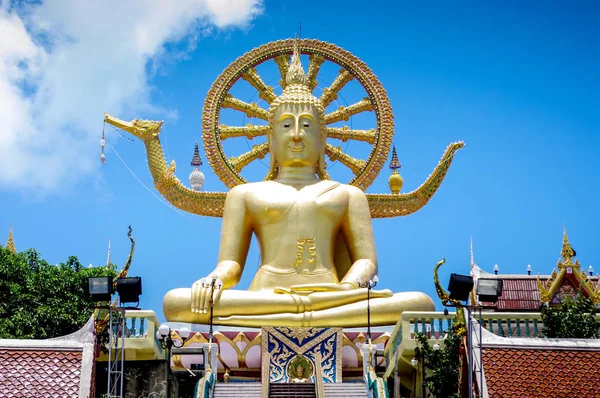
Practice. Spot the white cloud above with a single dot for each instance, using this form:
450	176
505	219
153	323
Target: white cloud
62	63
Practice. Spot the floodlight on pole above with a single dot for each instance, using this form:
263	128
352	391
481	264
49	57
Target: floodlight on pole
129	289
460	286
489	290
100	288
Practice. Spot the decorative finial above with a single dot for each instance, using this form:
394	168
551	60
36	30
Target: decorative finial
10	243
196	160
197	176
108	256
472	257
395	162
591	270
395	181
295	74
496	269
567	251
528	269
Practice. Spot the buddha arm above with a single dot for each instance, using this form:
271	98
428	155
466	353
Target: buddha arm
358	233
236	235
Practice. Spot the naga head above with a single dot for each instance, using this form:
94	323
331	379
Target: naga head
297	133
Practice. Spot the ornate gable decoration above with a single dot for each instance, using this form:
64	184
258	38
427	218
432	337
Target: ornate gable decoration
569	279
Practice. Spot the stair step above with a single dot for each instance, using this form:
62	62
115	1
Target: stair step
238	390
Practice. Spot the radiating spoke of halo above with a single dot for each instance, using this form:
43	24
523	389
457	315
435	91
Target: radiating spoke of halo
344	112
264	91
345	134
283	63
331	93
313	69
336	153
257	152
249	131
251	110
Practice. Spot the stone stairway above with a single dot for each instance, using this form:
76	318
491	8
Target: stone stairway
292	390
238	390
345	390
289	390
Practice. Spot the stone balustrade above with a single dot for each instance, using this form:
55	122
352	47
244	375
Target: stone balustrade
140	337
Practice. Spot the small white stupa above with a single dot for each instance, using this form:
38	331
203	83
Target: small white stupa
197	176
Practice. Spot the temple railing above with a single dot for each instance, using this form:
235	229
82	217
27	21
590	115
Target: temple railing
513	324
435	325
140	328
402	342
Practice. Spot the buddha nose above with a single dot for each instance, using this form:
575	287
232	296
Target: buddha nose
297	134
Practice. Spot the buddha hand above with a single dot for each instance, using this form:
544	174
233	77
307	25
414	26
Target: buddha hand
206	292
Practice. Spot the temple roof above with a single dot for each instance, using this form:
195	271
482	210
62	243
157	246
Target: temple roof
40	373
520	292
535	367
541	373
60	367
523	292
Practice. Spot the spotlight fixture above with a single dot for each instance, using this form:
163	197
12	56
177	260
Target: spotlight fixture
100	288
460	286
129	289
489	290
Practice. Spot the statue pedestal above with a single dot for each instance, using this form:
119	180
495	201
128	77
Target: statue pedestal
241	351
290	355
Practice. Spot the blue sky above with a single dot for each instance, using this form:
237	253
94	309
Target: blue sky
519	84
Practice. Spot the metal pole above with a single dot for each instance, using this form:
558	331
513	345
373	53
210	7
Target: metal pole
122	370
470	351
169	371
110	347
480	353
423	386
369	315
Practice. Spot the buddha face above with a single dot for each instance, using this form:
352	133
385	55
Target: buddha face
297	140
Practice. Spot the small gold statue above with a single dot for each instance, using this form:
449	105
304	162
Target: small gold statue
315	235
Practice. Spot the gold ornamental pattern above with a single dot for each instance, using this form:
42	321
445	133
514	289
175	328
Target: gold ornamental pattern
365	171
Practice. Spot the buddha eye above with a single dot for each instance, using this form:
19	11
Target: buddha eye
305	124
287	125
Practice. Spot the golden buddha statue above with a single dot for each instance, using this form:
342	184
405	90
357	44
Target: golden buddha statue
315	235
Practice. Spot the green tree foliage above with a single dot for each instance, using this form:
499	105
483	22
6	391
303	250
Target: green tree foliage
39	300
441	366
572	319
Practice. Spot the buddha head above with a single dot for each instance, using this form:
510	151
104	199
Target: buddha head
297	119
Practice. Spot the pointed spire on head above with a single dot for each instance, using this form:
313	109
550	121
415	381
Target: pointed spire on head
295	74
10	243
567	251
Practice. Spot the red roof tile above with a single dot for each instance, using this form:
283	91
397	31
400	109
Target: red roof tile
541	373
39	373
518	294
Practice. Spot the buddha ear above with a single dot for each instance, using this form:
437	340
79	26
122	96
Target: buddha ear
273	168
321	165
